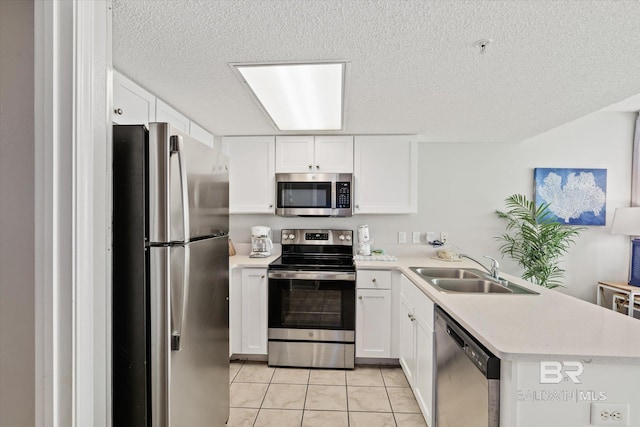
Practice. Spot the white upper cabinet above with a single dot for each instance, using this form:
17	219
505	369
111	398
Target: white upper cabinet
166	113
386	174
251	173
132	105
320	154
200	133
333	154
294	154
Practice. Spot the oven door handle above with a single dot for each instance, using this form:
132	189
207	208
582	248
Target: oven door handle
312	275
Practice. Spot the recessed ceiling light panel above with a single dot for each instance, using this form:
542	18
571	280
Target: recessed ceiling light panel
298	97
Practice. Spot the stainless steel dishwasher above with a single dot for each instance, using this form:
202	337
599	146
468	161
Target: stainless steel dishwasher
467	378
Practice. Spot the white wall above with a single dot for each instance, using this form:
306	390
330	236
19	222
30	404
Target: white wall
462	184
17	252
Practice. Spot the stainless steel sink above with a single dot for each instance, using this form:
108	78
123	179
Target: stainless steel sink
449	273
481	286
467	280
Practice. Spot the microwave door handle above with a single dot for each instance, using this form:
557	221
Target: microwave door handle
177	319
177	146
334	192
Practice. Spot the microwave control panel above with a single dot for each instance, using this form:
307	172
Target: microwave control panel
343	191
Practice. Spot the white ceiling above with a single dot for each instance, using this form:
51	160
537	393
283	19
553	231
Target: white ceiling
413	66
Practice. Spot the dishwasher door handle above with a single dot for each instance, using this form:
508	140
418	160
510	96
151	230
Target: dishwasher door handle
455	337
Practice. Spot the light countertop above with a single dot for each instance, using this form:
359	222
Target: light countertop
519	327
244	261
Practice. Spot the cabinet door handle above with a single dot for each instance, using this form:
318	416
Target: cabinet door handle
118	111
411	317
310	166
357	206
373	280
262	277
317	166
360	297
270	206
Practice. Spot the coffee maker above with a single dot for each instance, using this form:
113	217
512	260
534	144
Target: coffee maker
364	242
261	243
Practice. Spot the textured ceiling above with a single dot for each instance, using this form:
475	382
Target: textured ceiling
413	66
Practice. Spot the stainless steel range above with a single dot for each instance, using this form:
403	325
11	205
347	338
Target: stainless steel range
312	293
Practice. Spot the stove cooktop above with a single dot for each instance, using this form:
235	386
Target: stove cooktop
312	262
315	249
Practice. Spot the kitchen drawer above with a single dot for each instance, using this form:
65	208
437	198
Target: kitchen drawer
373	279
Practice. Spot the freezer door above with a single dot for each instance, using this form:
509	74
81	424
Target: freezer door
188	187
190	334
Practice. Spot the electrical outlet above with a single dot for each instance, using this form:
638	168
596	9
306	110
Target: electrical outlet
444	236
431	236
609	414
402	237
416	237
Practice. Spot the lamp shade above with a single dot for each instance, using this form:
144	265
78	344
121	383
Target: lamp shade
626	221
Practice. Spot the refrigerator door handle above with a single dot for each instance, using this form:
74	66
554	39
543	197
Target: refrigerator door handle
177	318
177	146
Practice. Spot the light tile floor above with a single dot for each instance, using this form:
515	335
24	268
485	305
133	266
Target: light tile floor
367	396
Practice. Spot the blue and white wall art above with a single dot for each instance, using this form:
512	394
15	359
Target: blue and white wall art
576	196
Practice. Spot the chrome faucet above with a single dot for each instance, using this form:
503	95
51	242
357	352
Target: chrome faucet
495	267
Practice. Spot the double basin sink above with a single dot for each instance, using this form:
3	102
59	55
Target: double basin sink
467	280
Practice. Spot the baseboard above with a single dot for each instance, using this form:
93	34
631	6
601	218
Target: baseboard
248	357
377	361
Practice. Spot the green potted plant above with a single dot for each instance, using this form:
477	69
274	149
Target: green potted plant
536	240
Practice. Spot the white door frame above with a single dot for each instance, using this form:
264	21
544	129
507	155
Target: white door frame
72	85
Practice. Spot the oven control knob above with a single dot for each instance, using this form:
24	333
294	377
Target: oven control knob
291	237
348	237
341	237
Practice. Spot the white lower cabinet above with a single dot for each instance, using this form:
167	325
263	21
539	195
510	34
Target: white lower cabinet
373	323
424	379
253	317
417	345
407	339
373	313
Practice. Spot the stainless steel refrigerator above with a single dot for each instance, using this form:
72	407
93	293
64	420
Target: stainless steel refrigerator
170	279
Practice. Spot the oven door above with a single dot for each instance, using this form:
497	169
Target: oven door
312	300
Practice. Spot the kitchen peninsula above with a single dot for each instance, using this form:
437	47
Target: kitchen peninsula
523	331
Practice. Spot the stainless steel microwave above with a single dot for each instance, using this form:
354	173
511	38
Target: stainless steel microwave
314	194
